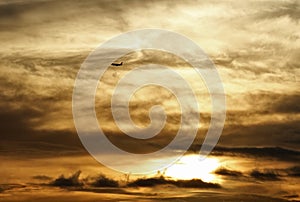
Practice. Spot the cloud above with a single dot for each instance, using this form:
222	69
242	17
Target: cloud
45	42
43	145
41	177
83	23
291	196
283	133
267	102
71	181
36	102
262	152
287	104
219	24
7	187
270	174
42	52
227	172
75	181
103	181
152	182
293	171
288	8
264	175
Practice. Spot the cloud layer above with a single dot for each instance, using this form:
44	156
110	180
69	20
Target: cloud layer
254	45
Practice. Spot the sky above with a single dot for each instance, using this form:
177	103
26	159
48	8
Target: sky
255	46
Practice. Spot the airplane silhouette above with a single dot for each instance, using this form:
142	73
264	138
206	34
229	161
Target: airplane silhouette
117	64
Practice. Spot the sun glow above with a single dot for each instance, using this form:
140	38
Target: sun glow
191	167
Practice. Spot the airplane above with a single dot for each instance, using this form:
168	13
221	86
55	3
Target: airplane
117	64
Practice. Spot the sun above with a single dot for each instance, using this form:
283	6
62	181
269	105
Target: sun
191	167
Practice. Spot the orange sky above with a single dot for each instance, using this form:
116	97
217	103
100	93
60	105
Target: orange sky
254	46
